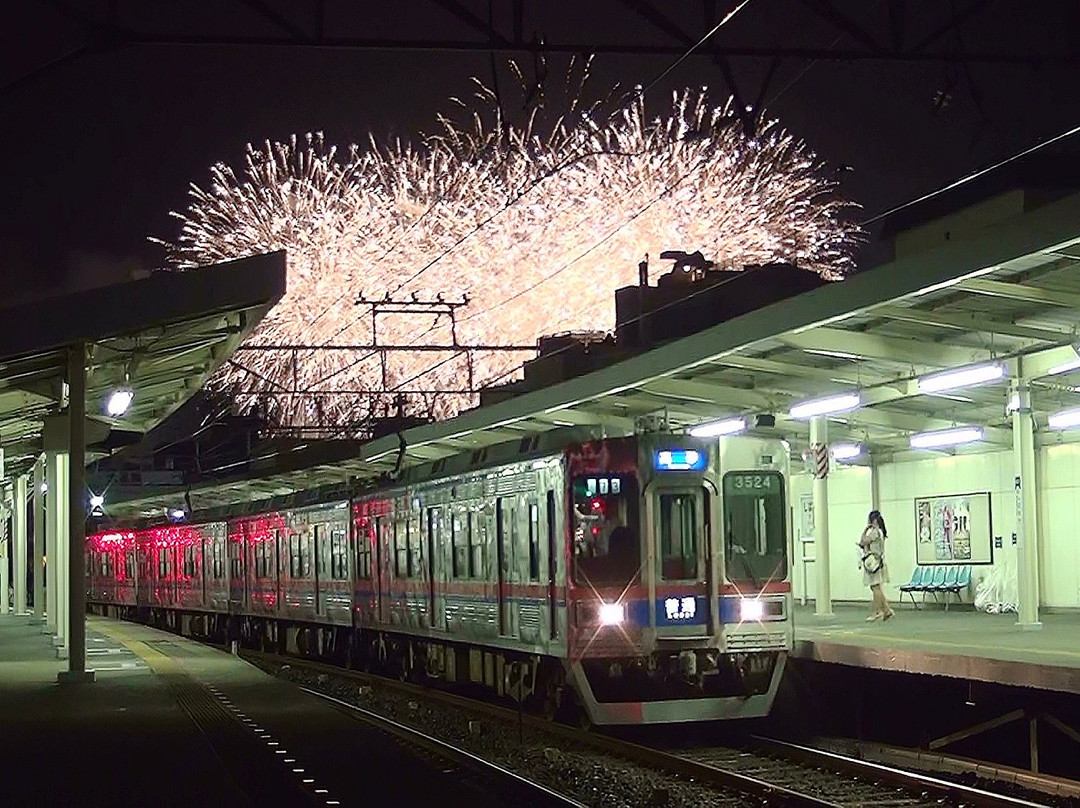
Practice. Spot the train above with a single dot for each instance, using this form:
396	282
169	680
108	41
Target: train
641	579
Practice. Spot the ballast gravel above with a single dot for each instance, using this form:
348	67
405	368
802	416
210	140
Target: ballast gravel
586	774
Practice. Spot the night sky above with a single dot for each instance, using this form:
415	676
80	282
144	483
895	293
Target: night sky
98	150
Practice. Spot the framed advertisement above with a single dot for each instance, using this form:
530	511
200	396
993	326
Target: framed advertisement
954	529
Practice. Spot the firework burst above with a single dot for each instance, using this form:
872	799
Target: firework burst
537	222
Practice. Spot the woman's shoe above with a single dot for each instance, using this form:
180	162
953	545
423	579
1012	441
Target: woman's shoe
873	617
889	614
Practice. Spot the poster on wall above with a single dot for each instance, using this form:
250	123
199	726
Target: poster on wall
806	516
954	529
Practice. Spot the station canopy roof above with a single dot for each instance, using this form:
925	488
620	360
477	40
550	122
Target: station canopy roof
161	337
999	282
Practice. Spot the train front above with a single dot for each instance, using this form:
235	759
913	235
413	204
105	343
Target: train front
678	592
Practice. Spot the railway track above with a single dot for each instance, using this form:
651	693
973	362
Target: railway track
847	782
771	771
512	787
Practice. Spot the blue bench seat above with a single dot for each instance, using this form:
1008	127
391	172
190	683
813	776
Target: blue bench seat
944	578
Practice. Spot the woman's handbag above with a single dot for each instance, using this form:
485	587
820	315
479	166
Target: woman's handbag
872	563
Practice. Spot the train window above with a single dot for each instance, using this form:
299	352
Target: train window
295	568
678	537
305	556
607	549
339	560
163	562
218	551
367	533
129	564
416	549
477	547
189	561
236	567
401	549
755	531
459	548
534	542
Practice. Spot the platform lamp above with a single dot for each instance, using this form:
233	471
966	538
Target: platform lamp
118	401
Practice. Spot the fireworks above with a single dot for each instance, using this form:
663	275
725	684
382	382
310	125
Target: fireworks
537	222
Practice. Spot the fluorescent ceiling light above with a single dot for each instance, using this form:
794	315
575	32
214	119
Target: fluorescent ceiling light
846	451
1065	420
826	406
1065	367
96	500
833	354
946	437
961	377
712	429
118	402
963	399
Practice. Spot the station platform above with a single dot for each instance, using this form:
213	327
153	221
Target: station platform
959	643
172	722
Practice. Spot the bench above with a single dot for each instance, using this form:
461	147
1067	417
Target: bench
942	578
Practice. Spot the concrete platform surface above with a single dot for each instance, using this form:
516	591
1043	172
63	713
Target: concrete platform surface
171	722
960	643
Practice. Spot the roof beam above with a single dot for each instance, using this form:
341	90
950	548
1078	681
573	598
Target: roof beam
697	390
888	349
1018	291
912	422
969	323
578	416
755	364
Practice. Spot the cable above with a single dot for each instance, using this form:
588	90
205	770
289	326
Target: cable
974	176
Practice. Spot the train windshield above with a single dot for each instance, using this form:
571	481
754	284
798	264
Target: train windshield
754	527
607	548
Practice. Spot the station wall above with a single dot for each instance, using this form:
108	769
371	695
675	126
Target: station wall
900	484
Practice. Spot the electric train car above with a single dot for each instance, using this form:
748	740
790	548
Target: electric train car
631	580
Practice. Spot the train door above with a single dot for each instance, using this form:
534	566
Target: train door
554	547
234	542
378	582
683	566
505	535
436	524
321	536
279	548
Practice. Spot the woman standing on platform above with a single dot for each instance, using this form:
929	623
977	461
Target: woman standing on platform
875	573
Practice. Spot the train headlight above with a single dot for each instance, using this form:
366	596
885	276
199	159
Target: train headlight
751	609
612	614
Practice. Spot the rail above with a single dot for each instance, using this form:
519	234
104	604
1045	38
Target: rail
532	793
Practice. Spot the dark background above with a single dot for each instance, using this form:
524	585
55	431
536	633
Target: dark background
109	108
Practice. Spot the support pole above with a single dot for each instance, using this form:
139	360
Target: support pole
18	544
4	607
52	526
1027	526
62	567
39	539
76	559
819	446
